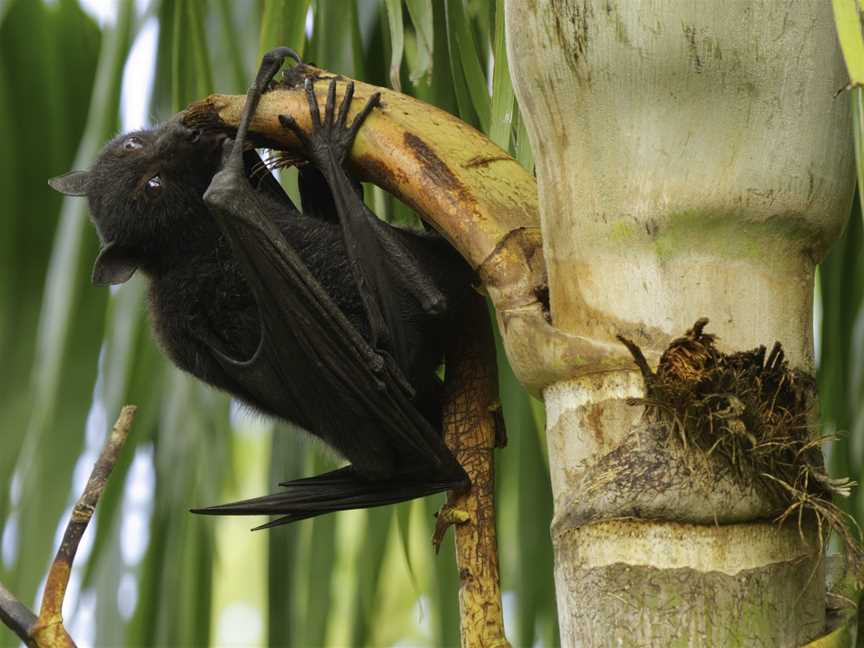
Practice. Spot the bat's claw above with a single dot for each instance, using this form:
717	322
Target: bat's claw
270	64
331	138
444	519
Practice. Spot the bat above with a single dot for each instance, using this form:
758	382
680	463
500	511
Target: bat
328	318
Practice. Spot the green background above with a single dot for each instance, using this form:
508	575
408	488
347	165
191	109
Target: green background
150	573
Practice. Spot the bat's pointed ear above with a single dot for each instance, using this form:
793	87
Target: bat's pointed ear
73	183
113	266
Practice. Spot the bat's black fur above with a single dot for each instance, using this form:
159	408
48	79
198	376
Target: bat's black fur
209	299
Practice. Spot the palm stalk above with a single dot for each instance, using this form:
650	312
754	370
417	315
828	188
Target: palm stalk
691	162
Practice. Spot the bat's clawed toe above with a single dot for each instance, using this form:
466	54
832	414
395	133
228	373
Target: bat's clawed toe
270	64
448	516
374	100
346	104
331	102
330	137
309	85
291	124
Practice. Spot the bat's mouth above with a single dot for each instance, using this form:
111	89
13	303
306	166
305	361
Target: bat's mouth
260	157
210	138
193	150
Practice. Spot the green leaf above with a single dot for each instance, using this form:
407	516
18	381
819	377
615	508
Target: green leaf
842	297
503	98
420	53
68	334
463	53
459	89
403	532
191	458
234	58
125	330
317	561
445	601
524	153
283	23
331	46
286	464
369	564
857	99
191	75
848	19
397	41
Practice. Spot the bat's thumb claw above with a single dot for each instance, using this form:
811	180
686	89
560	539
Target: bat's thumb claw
435	305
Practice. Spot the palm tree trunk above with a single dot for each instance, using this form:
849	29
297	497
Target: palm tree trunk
692	161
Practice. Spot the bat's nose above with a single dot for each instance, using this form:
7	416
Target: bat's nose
178	131
191	135
207	142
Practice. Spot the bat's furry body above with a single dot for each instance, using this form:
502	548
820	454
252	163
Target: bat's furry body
333	321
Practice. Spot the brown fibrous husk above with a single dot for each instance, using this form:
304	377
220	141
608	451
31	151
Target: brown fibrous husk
755	414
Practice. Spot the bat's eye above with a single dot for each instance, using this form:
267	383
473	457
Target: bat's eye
133	144
154	184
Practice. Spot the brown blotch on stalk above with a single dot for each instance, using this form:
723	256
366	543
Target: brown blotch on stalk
433	166
472	432
754	412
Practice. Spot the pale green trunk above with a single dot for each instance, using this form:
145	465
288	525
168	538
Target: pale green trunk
692	161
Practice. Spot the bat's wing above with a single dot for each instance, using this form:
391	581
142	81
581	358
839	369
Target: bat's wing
385	267
315	195
307	345
310	357
338	490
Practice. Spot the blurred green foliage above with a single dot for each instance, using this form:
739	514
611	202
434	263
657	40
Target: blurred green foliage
157	575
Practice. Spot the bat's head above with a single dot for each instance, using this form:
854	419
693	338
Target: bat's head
145	193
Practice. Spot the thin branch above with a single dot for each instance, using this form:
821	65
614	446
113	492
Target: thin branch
16	615
47	630
472	430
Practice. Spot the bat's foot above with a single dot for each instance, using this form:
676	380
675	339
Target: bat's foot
445	518
270	64
331	138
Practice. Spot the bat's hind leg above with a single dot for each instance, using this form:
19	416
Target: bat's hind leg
331	138
231	180
327	146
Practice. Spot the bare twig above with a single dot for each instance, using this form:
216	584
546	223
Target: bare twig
16	615
472	432
47	629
